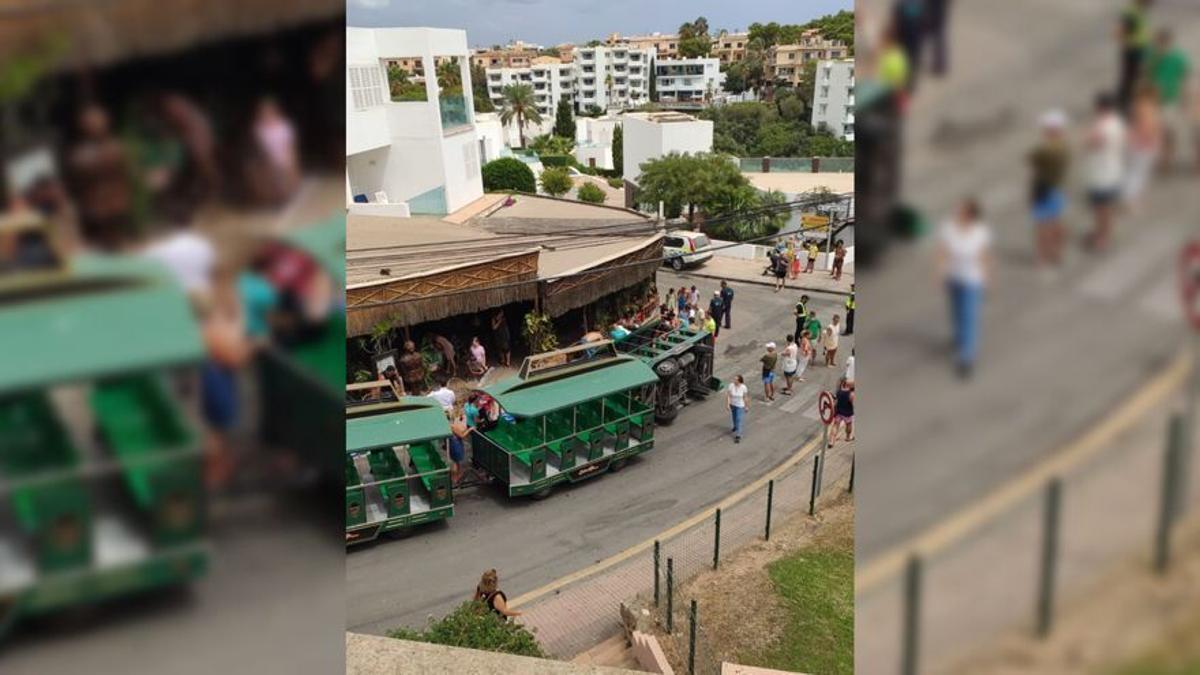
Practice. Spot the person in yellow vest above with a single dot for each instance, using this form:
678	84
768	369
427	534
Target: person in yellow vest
1135	38
850	312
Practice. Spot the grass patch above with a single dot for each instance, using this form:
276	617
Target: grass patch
816	586
1177	654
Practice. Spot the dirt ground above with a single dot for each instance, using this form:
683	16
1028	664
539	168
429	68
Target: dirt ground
742	612
1132	621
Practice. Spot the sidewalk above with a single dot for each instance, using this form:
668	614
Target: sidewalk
750	272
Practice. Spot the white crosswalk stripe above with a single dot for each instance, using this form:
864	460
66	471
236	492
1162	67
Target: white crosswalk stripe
1118	275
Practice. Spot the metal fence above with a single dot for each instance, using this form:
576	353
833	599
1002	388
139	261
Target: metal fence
1021	562
587	610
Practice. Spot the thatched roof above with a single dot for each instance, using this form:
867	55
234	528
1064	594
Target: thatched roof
600	277
437	294
99	33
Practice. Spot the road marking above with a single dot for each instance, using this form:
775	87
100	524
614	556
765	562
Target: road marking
700	517
796	400
1163	301
1116	276
941	535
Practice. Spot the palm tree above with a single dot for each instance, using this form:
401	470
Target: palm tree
449	77
608	82
519	106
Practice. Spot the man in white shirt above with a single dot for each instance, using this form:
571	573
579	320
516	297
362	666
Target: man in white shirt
1106	142
189	256
850	367
444	396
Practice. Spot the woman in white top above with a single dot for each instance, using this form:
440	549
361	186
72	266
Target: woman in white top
791	363
964	261
739	403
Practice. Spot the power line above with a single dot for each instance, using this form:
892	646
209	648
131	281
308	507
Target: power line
553	277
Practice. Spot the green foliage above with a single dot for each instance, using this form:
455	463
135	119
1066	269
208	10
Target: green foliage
616	182
556	181
693	39
778	139
591	193
520	107
557	160
550	144
474	626
508	173
838	26
401	87
760	224
618	150
706	181
22	71
483	101
449	78
825	144
594	43
538	331
564	121
549	51
594	110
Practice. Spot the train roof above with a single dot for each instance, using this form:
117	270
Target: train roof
556	389
410	420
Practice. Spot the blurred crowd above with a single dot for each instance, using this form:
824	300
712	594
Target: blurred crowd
162	172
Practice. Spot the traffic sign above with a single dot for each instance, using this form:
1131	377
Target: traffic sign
1189	282
813	221
825	407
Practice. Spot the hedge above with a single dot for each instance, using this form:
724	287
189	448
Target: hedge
508	173
557	160
474	626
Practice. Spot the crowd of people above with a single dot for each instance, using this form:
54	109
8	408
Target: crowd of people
1149	122
784	260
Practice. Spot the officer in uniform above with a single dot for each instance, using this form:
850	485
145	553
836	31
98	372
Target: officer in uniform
850	312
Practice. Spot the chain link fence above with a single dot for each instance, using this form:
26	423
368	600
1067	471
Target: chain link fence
588	610
1050	541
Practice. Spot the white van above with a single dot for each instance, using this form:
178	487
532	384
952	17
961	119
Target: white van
684	248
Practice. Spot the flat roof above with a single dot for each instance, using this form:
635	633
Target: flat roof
662	117
793	182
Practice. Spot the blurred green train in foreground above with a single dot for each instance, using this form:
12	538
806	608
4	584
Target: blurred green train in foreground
101	489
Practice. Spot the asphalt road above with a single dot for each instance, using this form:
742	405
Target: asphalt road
694	464
1058	353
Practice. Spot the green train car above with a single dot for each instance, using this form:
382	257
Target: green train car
396	471
300	385
566	416
101	487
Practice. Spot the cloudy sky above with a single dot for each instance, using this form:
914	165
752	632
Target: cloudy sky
551	22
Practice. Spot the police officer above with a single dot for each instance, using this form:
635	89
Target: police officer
850	312
801	315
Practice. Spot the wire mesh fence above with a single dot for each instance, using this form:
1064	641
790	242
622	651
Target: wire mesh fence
651	581
1048	545
797	164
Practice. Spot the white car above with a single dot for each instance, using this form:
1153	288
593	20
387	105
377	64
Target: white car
685	249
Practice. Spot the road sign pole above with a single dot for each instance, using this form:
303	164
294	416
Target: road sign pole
821	461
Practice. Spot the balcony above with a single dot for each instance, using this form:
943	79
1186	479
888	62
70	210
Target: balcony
453	109
587	56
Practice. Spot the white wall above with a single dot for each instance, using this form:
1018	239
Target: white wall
365	171
642	140
460	161
491	133
645	140
833	96
601	153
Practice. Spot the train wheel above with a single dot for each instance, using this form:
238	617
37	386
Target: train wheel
540	494
618	465
665	417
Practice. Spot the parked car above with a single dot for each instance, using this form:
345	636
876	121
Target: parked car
686	249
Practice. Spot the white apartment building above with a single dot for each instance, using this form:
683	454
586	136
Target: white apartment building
612	77
648	136
688	80
409	156
550	79
833	98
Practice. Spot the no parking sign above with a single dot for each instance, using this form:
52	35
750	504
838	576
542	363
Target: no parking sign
825	407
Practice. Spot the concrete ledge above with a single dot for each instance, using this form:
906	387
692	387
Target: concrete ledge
376	655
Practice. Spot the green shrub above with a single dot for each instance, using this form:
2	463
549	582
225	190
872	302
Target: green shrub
474	626
556	181
549	160
616	182
508	173
590	192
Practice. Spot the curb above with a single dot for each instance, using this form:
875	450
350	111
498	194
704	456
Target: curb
806	289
